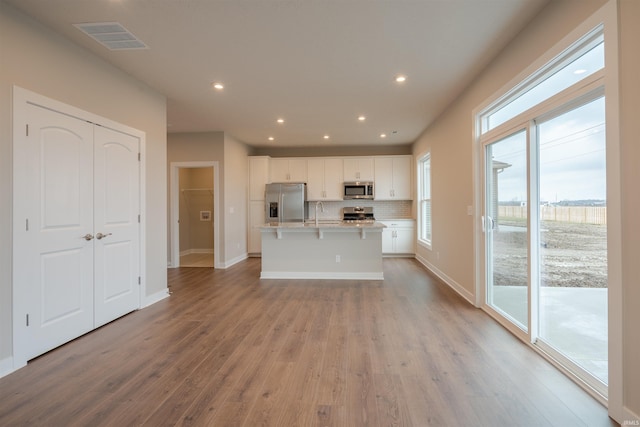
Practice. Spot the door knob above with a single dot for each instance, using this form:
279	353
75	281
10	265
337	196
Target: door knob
102	236
88	236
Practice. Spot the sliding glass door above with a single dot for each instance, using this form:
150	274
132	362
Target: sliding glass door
573	236
546	236
506	226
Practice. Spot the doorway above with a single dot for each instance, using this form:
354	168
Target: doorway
194	214
195	217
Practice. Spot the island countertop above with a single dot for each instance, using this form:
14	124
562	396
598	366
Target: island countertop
328	250
322	224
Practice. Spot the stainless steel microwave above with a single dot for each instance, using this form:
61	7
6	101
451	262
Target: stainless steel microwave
358	190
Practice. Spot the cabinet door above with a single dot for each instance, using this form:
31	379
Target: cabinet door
258	176
256	219
298	170
288	170
279	170
384	178
333	179
387	240
358	169
403	241
365	164
315	181
402	178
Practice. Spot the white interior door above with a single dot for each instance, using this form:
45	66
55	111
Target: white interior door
54	211
76	262
117	199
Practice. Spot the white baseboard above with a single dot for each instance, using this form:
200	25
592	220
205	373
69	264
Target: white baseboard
6	366
447	280
154	298
231	262
321	275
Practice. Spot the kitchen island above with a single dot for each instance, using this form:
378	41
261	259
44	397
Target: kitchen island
325	250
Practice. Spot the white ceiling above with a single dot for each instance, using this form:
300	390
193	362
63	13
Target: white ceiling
316	63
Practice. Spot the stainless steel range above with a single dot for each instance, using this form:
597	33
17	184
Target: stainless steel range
358	215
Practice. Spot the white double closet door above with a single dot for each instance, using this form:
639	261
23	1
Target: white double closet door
76	232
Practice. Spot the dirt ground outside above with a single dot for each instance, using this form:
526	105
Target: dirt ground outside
572	255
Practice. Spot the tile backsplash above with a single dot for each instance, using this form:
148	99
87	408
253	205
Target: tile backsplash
390	209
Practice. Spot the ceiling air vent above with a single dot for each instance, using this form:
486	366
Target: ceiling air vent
111	35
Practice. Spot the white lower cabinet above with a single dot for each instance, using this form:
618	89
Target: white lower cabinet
256	220
398	237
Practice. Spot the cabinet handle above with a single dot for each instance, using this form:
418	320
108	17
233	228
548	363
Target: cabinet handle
102	236
88	237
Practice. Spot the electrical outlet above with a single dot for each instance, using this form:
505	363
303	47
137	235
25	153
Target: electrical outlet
338	258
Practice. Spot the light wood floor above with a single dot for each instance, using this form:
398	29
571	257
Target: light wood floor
227	349
196	260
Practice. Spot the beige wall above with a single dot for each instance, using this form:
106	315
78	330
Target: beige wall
236	178
450	141
196	147
231	156
630	175
36	59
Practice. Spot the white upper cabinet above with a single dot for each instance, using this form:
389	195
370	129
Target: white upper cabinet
393	178
324	179
358	169
258	176
288	170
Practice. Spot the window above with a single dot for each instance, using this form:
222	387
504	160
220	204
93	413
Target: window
424	195
576	64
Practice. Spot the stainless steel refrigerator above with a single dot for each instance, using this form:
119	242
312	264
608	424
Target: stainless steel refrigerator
286	202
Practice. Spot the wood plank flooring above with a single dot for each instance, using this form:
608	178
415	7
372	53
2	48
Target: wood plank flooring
196	260
229	349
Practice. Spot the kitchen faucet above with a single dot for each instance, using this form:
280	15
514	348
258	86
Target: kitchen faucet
318	203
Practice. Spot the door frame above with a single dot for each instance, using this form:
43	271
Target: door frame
22	97
174	215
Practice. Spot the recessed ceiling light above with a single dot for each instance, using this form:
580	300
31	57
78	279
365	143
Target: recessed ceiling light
362	118
383	135
580	71
326	137
271	138
401	79
218	85
280	121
